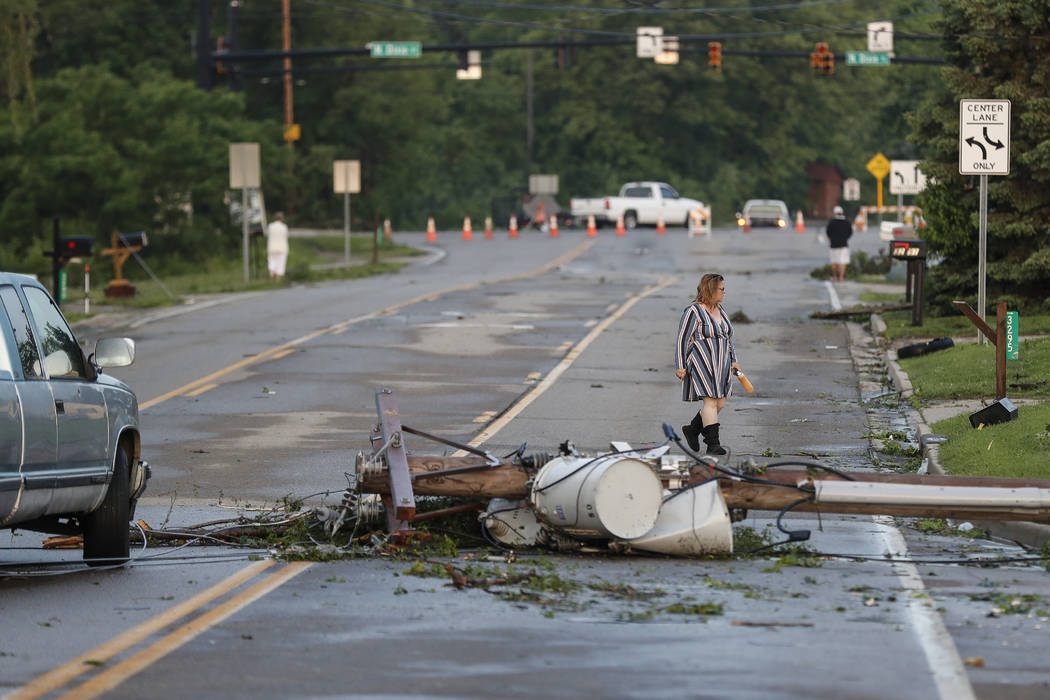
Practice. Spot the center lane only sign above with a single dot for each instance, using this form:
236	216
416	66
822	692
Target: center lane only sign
984	137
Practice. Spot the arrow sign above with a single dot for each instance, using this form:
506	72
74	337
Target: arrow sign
906	178
984	137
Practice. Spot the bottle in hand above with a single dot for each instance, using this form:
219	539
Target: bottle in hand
748	387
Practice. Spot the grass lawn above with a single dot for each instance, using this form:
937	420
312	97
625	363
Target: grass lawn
968	372
226	274
898	325
1018	449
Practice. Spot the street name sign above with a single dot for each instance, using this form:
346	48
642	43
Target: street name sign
906	178
395	49
867	58
984	137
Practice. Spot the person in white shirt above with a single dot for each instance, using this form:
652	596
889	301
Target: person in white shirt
277	246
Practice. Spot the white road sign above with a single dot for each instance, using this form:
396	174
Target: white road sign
984	137
650	42
906	178
880	37
851	189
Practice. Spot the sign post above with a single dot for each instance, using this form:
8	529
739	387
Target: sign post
244	173
879	166
984	149
346	179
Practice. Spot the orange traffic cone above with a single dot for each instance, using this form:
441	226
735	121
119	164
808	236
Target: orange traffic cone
661	228
468	234
488	227
431	231
800	225
621	230
592	228
554	226
512	228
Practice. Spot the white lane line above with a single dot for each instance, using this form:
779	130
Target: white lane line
836	305
949	674
560	368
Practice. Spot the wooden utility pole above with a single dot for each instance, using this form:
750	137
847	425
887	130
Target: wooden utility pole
470	477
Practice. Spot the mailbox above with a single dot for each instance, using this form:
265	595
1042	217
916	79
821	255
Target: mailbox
74	247
137	239
908	250
914	252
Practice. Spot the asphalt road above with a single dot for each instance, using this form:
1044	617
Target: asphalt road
272	394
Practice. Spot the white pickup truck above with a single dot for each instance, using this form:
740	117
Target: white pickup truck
638	203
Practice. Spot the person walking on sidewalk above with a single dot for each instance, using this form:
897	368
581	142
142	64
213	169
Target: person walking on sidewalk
277	246
839	231
704	357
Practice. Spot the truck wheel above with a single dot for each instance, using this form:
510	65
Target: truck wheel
106	529
630	220
688	222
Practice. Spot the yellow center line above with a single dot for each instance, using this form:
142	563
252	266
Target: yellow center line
342	325
283	353
201	390
112	677
560	368
58	677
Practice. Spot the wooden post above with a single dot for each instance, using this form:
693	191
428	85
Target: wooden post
997	337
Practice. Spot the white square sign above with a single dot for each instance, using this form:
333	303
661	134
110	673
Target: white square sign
880	37
650	42
906	178
984	137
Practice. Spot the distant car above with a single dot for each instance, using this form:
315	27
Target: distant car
763	212
69	435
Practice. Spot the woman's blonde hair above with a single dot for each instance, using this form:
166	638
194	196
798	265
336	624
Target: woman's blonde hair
707	289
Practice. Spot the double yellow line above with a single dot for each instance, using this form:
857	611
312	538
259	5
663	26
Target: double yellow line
58	678
199	386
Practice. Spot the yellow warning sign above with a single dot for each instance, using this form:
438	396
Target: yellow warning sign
879	166
292	133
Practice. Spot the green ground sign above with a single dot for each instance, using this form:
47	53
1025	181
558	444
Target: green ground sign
1012	335
867	58
396	49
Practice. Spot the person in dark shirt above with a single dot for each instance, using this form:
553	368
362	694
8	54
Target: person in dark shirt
839	230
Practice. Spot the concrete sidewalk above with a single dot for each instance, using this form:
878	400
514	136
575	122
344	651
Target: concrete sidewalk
1029	534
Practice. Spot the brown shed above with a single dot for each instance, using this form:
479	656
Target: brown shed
825	189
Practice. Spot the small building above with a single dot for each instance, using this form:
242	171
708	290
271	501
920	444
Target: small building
825	189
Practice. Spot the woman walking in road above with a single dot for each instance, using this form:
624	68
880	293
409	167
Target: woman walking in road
704	357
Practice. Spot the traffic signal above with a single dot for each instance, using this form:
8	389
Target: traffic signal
822	61
714	56
75	247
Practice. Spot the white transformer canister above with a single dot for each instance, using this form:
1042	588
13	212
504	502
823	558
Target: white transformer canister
597	497
692	522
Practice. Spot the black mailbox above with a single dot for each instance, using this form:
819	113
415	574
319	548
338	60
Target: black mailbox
75	247
908	250
132	240
914	252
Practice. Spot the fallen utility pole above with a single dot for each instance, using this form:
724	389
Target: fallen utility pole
926	496
634	498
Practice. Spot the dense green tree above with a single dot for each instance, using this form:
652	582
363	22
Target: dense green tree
996	50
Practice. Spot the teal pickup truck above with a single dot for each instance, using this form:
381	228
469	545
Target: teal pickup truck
69	434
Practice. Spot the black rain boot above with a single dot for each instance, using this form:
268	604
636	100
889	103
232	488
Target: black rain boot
714	447
692	433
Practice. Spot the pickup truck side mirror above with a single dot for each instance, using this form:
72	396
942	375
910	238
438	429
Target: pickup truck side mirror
114	352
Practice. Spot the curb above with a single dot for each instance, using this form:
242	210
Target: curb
1030	534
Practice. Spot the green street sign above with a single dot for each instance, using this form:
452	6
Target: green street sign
867	58
395	49
1012	335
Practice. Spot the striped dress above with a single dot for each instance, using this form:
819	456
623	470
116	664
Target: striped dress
705	350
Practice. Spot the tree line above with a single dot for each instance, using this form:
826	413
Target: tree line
105	128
